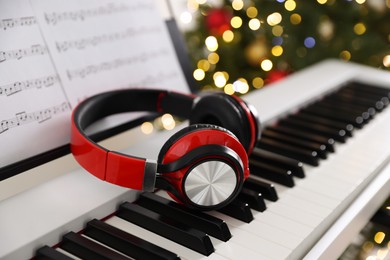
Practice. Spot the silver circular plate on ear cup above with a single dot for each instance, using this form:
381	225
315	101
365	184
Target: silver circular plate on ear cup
210	183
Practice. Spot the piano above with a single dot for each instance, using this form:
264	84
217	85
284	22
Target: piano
318	174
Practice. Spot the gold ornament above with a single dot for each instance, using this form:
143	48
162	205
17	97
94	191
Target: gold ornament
256	51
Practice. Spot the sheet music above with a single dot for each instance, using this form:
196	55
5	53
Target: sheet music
33	109
54	54
99	45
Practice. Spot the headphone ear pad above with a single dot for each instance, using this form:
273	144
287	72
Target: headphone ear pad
185	131
198	135
256	119
223	110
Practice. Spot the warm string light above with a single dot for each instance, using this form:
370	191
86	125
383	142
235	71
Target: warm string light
228	36
165	122
386	63
270	52
241	85
220	79
236	22
147	128
290	5
211	43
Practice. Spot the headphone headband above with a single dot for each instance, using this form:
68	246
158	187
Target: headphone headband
109	165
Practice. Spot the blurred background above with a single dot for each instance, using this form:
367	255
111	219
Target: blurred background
241	45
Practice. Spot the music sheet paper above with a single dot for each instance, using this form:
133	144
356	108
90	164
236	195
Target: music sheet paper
54	54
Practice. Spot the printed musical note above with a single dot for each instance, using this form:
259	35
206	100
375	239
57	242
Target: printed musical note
80	15
35	49
37	83
114	64
104	38
154	79
10	23
39	116
4	126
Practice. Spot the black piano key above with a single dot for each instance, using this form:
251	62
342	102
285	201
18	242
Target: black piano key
319	148
306	156
126	243
348	97
377	101
49	253
271	173
266	189
87	249
296	167
362	88
348	128
199	220
350	106
328	142
385	100
239	210
253	198
355	120
347	109
336	134
343	99
337	114
166	227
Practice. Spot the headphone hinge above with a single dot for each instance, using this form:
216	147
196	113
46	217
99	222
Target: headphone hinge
150	175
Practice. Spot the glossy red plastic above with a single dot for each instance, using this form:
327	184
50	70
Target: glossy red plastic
88	154
125	171
110	166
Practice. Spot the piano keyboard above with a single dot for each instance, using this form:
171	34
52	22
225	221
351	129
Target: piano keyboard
313	160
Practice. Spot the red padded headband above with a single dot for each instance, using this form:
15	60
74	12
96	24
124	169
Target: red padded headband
109	165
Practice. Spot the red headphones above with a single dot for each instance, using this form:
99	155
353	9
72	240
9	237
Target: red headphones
203	165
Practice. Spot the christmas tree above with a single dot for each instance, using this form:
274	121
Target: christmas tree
241	45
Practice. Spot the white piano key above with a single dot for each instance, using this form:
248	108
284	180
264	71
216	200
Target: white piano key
226	250
263	230
273	228
347	172
260	245
273	234
68	254
324	178
327	189
245	233
153	238
283	223
314	197
232	250
297	215
302	204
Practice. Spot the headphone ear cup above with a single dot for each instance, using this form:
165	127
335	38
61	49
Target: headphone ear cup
228	112
200	146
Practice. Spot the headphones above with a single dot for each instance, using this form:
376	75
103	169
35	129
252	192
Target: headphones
202	166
